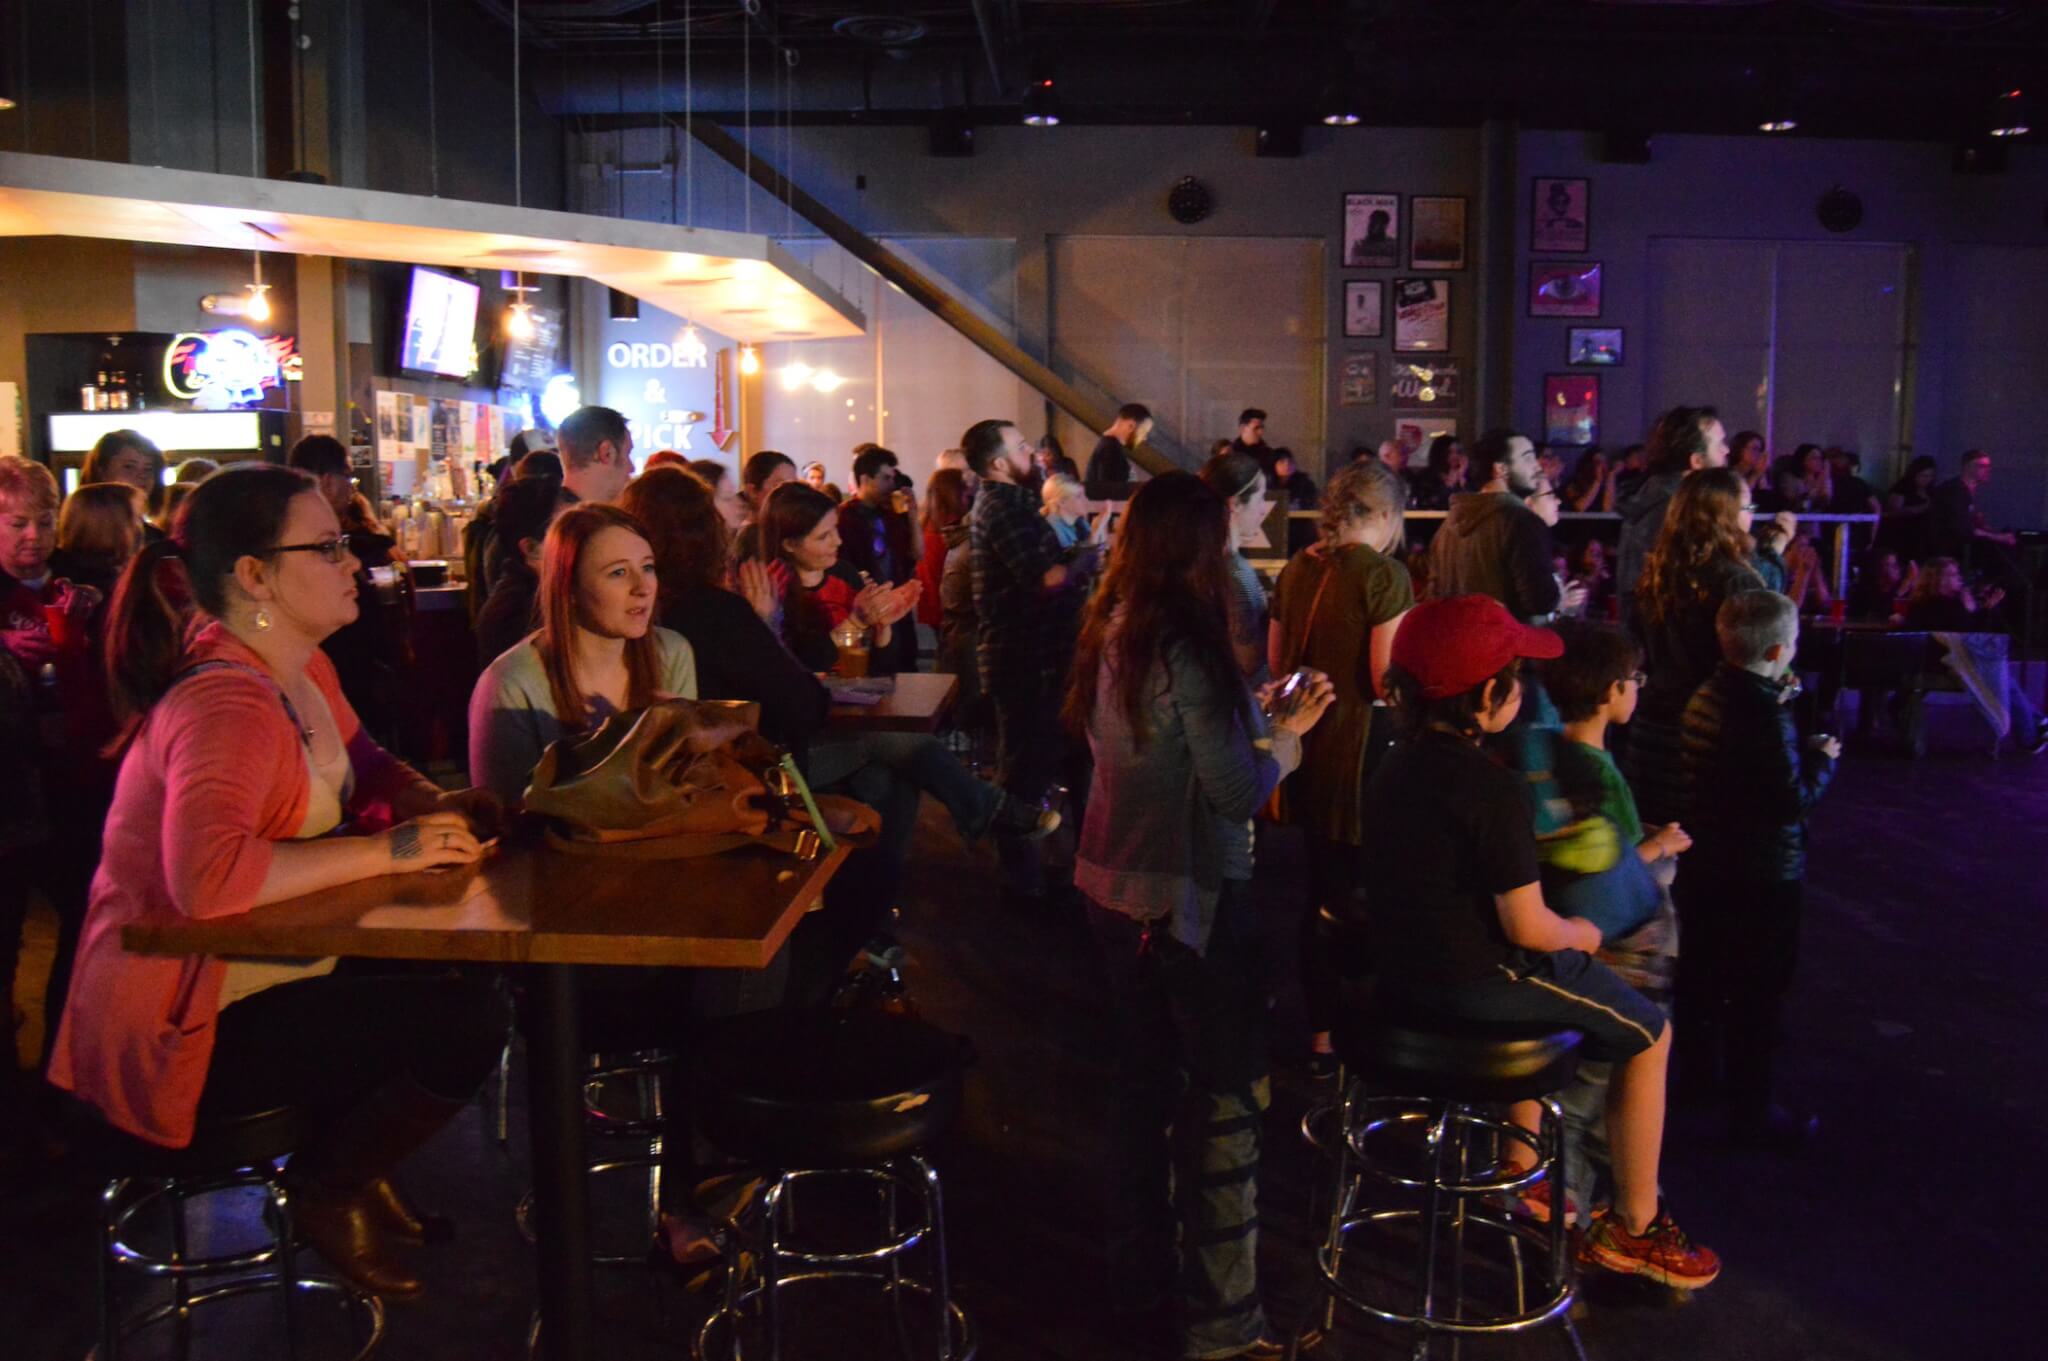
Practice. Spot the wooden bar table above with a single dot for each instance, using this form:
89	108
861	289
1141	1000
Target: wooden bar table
918	703
554	911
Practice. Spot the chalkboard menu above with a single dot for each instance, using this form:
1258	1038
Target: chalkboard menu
528	364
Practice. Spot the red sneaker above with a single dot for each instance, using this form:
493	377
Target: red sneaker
1534	1203
1661	1252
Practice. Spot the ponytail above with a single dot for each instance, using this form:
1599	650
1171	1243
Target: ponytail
238	512
145	632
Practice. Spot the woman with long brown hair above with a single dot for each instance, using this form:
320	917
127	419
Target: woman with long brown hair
737	654
1183	756
598	651
243	764
947	499
1703	555
98	531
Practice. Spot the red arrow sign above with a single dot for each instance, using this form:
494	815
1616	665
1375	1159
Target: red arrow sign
721	435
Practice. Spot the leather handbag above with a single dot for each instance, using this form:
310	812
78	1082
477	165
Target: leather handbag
683	778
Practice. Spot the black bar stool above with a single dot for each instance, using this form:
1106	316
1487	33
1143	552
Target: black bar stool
1448	1080
233	1155
824	1098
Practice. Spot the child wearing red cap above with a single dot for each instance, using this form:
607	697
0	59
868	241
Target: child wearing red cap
1460	926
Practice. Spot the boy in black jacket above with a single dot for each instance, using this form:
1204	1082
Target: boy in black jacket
1751	785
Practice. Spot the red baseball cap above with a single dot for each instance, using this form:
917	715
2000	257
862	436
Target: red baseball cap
1450	646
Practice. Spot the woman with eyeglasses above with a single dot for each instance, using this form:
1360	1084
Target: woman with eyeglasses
247	780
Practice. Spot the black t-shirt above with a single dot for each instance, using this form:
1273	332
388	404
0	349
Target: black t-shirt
1110	463
1446	829
1954	518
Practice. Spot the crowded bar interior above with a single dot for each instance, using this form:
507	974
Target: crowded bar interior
1029	678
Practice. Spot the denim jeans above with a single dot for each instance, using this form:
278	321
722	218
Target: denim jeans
889	770
1191	1088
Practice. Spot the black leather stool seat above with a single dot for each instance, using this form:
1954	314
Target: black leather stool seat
827	1088
1452	1059
217	1147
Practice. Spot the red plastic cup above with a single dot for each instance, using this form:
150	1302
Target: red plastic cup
59	624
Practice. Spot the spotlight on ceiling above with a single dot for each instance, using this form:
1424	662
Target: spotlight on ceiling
2011	117
1041	107
1778	125
625	307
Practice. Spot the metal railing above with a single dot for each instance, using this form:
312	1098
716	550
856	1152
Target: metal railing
1838	546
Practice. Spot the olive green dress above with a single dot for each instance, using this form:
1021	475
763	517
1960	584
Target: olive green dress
1365	589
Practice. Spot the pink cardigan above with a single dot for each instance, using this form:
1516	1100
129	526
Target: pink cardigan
214	777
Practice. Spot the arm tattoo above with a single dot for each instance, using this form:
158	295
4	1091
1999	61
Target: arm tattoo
405	842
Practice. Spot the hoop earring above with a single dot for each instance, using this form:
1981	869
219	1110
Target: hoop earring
262	620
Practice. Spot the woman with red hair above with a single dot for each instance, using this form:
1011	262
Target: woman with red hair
598	651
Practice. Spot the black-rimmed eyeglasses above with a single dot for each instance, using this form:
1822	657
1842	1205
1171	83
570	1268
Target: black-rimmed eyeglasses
334	550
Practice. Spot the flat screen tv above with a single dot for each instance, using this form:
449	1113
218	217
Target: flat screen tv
440	326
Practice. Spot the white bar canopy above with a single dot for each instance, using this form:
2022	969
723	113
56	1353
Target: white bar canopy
737	284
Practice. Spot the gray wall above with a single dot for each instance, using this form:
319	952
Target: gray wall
1028	184
1762	188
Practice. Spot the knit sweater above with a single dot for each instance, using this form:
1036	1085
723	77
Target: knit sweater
214	779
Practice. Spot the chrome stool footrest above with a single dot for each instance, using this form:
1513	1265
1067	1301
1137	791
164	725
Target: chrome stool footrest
879	1262
1455	1169
266	1266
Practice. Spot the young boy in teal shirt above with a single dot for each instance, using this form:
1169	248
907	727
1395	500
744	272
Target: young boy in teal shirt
1594	686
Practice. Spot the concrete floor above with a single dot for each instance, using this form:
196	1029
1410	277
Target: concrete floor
1919	1028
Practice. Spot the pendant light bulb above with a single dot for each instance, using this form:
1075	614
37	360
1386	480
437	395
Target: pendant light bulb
750	360
519	312
257	308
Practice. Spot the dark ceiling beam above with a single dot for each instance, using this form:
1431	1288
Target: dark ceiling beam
992	17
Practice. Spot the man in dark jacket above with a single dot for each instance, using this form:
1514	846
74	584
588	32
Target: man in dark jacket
877	538
1683	439
1491	543
1750	785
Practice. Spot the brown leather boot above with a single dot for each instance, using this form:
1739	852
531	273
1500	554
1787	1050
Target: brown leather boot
335	1203
401	1218
343	1226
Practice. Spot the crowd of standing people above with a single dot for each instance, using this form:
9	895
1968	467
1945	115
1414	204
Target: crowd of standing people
193	698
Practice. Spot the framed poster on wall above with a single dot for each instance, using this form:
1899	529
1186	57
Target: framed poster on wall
1372	231
1413	434
1560	215
1571	409
1422	315
1564	288
1365	309
1593	345
1358	382
1436	233
1423	385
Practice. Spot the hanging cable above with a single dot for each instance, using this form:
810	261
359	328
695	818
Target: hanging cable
433	114
747	111
689	126
788	138
668	134
255	164
518	147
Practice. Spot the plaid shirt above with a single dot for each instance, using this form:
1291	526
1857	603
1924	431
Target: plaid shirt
1024	626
